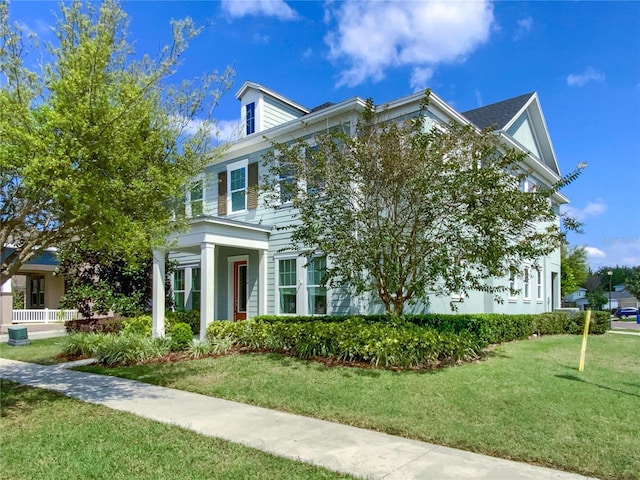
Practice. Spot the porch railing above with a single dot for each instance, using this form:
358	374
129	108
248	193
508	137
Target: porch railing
46	315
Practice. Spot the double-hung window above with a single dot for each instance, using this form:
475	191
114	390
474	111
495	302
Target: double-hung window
539	284
316	290
237	178
513	286
300	288
178	289
287	183
195	289
526	281
250	117
287	286
196	198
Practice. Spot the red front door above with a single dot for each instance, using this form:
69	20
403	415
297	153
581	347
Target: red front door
240	290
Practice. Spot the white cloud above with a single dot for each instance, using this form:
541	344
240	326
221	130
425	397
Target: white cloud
229	130
419	78
581	79
593	252
267	8
307	53
592	209
524	27
373	36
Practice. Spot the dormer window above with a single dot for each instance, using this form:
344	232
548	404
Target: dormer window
250	115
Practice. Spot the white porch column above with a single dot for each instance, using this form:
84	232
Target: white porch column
158	294
6	303
207	287
262	282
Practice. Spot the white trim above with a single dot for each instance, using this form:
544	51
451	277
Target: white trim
230	285
539	284
230	168
526	283
302	286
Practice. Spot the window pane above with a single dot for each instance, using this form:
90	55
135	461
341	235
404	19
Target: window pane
242	288
287	270
315	270
196	208
238	179
251	118
178	299
195	279
317	300
196	191
287	300
178	280
195	300
238	201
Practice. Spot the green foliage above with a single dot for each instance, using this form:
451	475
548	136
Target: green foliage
140	325
127	349
94	325
403	345
597	299
97	282
214	347
80	344
190	317
181	336
632	284
423	211
574	269
94	141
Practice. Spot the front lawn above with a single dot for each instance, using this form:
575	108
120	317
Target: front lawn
526	402
44	352
47	435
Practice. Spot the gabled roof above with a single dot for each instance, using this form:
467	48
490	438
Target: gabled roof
521	120
267	91
498	114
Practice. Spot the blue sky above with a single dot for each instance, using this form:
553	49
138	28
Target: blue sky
583	59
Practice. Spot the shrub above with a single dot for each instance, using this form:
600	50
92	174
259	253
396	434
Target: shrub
139	325
191	317
94	325
79	344
219	345
130	348
181	337
401	344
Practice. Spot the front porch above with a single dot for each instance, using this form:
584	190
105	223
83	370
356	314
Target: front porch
225	265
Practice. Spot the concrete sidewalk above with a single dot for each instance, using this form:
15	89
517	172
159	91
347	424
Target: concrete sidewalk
356	451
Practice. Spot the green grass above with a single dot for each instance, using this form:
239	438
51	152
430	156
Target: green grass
527	402
43	352
48	436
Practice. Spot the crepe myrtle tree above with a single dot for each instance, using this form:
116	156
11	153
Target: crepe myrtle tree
95	140
404	211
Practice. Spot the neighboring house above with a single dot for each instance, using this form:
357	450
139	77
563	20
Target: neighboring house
40	290
620	298
576	299
232	263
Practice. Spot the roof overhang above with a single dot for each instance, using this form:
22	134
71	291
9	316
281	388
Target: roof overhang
222	232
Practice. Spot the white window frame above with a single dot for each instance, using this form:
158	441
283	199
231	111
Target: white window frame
302	285
177	307
309	286
230	168
539	284
187	195
526	283
513	285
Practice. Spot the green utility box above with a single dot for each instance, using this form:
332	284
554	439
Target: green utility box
18	336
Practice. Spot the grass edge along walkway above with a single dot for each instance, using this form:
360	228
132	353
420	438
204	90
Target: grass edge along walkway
337	447
48	435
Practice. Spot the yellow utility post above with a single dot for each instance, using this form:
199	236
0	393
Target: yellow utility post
585	334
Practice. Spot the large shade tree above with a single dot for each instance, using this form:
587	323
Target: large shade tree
96	141
403	211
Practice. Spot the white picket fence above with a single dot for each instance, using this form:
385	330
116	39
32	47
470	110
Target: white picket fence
46	315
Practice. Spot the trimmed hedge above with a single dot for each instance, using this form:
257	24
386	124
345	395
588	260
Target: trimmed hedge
487	329
399	345
191	318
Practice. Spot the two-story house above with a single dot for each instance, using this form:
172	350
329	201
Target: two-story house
232	263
